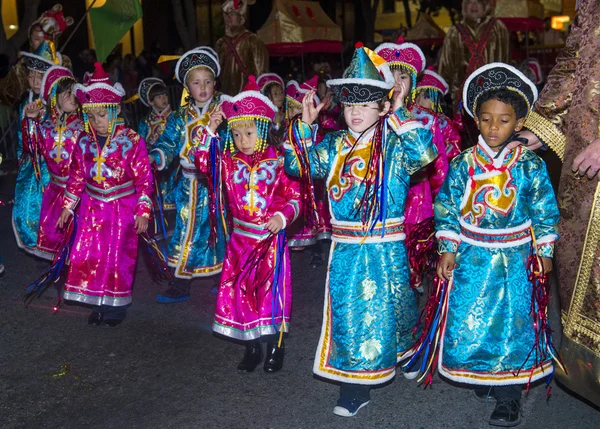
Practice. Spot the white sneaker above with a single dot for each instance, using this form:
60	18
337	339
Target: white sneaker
345	412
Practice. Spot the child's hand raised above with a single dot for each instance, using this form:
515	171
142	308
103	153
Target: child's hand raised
400	93
309	111
274	224
446	266
216	118
32	110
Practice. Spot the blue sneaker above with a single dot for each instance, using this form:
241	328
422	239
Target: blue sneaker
178	291
349	407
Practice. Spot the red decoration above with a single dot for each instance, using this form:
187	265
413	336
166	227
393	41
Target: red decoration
359	45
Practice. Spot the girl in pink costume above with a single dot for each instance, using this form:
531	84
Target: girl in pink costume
110	186
255	294
53	138
407	61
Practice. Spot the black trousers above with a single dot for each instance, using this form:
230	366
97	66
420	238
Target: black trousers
359	391
112	313
502	392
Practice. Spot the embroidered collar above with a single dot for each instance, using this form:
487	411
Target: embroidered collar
485	153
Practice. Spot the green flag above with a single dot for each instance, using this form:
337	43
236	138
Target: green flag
111	22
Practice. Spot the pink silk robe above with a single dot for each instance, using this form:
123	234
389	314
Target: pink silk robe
56	146
247	306
111	188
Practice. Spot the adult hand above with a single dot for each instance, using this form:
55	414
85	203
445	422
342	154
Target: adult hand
309	111
446	266
274	224
141	224
533	142
587	163
63	219
546	265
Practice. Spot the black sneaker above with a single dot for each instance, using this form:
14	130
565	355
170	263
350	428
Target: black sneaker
507	413
349	407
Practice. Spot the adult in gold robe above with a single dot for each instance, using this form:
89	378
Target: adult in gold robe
241	52
566	118
477	40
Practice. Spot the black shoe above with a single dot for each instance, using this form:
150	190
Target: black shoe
178	291
274	359
252	357
507	413
95	318
316	260
112	322
484	394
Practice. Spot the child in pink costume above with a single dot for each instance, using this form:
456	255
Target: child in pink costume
110	186
407	61
255	294
53	138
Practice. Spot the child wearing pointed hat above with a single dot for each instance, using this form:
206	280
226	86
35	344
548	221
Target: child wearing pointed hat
32	176
192	252
304	233
153	93
369	310
255	294
496	218
54	139
109	190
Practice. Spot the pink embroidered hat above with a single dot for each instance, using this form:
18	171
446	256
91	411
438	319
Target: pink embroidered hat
265	81
99	92
294	92
246	108
402	55
432	80
52	76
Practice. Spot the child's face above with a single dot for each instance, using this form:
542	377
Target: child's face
497	121
98	119
160	102
423	100
200	83
403	83
34	79
67	102
362	117
244	138
276	95
322	90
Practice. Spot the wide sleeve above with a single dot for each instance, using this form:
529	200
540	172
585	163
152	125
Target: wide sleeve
142	177
168	145
543	209
76	181
452	138
439	167
451	61
502	47
417	146
547	118
288	199
143	129
447	207
260	56
319	155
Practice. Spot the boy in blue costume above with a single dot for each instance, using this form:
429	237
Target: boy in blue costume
193	251
369	309
496	215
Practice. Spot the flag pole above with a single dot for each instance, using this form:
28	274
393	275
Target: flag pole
77	26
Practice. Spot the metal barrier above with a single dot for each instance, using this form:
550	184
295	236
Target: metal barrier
9	126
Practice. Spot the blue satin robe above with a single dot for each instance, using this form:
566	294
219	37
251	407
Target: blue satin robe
485	212
28	194
190	250
369	310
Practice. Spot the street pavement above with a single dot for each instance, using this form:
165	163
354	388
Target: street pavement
164	368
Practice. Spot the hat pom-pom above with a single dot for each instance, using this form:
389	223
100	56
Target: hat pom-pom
400	40
251	85
358	45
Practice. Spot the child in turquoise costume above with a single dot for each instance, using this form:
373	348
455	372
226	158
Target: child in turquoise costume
369	310
153	93
496	218
32	175
192	251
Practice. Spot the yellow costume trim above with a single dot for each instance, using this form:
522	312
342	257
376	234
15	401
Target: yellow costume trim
548	132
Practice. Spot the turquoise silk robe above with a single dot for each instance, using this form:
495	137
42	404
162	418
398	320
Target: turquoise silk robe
488	212
369	310
191	252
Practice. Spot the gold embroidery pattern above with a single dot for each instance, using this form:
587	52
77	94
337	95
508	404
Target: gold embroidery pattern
547	132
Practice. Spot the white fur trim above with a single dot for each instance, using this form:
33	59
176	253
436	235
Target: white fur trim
497	162
547	239
400	47
448	234
156	81
272	78
283	219
495	231
495	245
247	94
360	81
45	78
502	66
438	77
117	89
